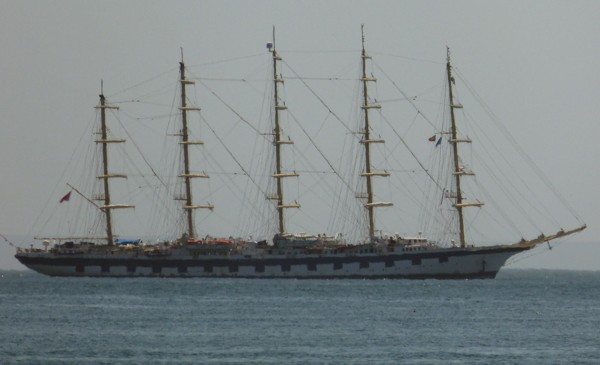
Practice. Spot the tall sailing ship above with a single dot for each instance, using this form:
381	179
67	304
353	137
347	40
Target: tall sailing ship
288	255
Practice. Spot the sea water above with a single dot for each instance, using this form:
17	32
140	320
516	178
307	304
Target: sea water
521	317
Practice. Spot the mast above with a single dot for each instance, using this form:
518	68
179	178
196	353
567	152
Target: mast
459	171
185	142
277	142
366	141
104	141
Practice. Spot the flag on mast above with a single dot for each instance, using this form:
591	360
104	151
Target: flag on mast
65	198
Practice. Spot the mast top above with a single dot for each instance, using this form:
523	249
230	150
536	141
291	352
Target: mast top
271	45
362	33
273	37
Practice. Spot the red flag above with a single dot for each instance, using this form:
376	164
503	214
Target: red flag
432	138
66	197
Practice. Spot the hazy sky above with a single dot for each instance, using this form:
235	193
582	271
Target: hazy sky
534	62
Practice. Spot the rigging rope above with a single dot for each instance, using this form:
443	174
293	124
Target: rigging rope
408	98
319	150
318	98
235	159
142	83
140	152
7	240
420	60
542	211
526	157
411	152
233	110
227	60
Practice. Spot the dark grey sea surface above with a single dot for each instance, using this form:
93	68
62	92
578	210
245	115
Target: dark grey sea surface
521	317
